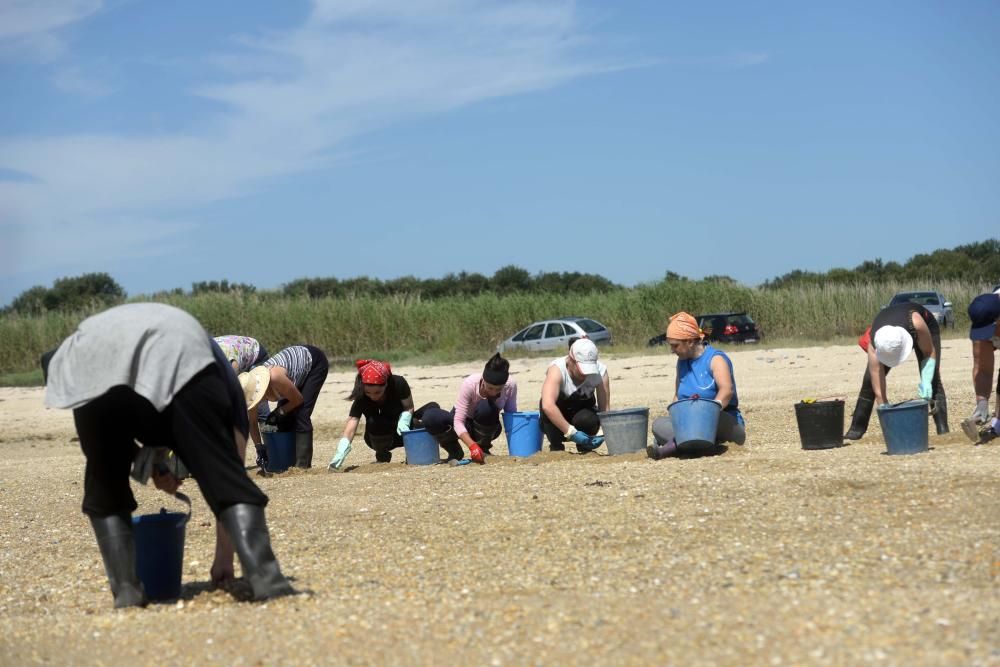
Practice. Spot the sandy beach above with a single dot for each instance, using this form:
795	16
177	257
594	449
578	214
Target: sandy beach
767	554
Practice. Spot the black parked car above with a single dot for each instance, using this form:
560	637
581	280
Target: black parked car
722	328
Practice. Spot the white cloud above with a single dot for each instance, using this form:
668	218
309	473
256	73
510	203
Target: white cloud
290	104
28	27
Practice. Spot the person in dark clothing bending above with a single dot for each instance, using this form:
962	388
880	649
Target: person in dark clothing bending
150	372
895	332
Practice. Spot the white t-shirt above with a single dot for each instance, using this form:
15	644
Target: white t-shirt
570	389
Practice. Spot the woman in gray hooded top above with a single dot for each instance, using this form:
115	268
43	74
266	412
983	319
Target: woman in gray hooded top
150	372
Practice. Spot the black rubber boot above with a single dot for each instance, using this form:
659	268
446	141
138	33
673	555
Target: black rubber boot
450	444
261	457
859	422
383	455
117	545
247	530
941	414
304	449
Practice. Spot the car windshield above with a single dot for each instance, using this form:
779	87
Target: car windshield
739	319
922	298
589	326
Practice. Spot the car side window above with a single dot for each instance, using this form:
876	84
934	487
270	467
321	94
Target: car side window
555	330
534	332
519	336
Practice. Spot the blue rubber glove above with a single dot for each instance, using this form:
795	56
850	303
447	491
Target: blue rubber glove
580	438
343	449
925	390
595	442
403	424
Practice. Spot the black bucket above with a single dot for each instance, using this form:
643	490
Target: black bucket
821	424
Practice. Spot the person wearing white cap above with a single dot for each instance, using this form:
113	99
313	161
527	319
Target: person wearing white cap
984	315
576	387
149	372
895	332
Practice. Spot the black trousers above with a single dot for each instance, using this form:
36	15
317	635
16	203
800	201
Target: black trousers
484	421
581	413
868	390
197	426
300	419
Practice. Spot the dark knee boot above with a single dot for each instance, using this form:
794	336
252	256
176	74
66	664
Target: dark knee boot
450	444
247	530
304	449
941	413
117	545
859	422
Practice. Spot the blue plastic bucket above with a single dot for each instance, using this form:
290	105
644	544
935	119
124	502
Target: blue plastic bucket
524	432
421	447
695	422
159	552
280	450
904	427
625	431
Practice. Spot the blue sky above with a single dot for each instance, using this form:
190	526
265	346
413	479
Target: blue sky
172	142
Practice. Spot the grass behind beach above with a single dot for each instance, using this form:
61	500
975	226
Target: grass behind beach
454	329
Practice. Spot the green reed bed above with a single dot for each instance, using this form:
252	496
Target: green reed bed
404	327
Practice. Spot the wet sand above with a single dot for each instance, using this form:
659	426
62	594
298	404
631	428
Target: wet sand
767	554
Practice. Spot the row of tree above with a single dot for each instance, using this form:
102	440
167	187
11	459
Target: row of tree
976	262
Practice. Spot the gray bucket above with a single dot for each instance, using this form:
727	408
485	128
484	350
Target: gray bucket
625	431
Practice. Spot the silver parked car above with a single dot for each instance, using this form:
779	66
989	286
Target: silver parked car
555	334
935	302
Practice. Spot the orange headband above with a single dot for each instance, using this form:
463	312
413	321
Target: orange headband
683	327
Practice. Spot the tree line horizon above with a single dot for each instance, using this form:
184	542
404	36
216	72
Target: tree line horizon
975	262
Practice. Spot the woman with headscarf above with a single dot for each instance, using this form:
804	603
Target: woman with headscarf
475	419
706	372
385	401
895	332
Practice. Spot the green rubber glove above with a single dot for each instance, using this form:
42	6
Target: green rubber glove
404	423
926	389
343	449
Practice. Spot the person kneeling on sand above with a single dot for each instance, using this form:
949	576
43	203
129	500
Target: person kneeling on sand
984	314
150	372
576	387
385	401
475	419
895	332
705	372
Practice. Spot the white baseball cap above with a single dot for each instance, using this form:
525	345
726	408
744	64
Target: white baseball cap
584	353
892	345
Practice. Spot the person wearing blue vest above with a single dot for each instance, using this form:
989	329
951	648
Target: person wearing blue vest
705	372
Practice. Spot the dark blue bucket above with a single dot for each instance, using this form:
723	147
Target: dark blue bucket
159	552
421	447
280	450
904	426
524	432
695	422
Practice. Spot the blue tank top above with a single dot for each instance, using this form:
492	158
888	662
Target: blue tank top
696	378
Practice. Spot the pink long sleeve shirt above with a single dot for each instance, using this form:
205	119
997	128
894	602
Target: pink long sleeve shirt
469	397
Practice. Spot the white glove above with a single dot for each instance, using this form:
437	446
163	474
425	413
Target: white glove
981	414
343	449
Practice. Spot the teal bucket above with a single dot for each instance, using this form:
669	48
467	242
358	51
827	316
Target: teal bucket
159	552
421	447
625	431
695	422
904	426
280	450
524	432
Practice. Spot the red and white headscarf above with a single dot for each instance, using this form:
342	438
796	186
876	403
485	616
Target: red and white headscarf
373	371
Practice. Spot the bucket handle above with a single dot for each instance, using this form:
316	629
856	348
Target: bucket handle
184	499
